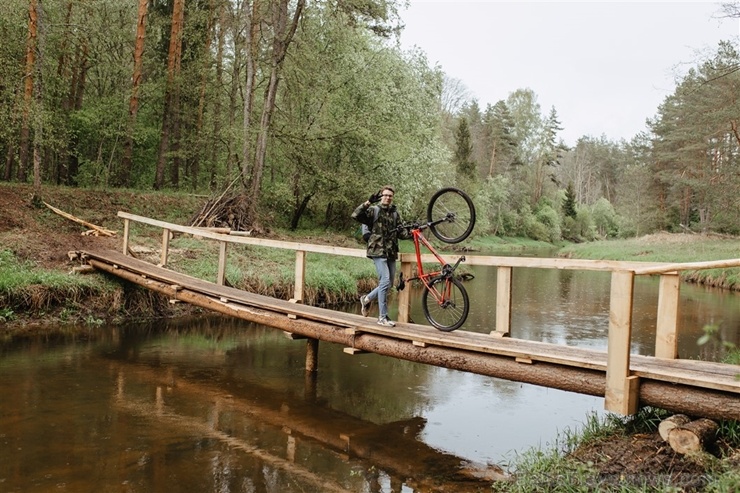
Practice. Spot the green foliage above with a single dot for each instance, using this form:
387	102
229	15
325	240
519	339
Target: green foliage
550	219
605	219
6	314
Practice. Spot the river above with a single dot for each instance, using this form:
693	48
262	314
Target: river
218	405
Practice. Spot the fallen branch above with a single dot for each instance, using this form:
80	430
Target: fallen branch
100	230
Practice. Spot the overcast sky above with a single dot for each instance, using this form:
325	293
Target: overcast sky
604	66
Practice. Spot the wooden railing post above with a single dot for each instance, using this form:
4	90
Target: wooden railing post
165	246
621	388
126	229
404	297
221	276
666	330
300	275
503	301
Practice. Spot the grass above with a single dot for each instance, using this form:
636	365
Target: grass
23	286
665	248
557	469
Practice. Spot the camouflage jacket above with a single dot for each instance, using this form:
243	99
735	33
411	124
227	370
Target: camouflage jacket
383	223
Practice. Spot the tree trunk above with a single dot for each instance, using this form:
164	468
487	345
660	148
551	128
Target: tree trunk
31	45
173	65
693	437
213	157
38	130
281	41
59	171
299	210
250	53
194	168
77	90
123	177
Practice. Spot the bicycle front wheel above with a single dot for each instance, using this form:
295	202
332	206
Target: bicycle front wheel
451	215
446	304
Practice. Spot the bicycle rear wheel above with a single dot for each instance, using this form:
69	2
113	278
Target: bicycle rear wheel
447	310
457	211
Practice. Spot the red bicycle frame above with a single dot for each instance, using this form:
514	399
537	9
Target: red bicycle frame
427	278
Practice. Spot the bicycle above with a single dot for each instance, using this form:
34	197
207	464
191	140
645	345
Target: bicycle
450	217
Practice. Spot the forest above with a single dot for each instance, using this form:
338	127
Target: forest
291	112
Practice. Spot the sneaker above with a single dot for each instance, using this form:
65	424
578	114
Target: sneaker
386	322
364	305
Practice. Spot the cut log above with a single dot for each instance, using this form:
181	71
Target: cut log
665	426
693	437
82	269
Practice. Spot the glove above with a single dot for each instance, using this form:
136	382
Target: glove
374	198
401	282
366	237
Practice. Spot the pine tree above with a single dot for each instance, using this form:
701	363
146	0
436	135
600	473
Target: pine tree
569	206
464	150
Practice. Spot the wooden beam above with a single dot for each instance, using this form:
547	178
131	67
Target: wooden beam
666	330
221	276
126	230
165	246
300	275
354	350
404	297
617	397
503	301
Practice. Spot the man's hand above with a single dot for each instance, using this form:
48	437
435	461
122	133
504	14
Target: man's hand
375	198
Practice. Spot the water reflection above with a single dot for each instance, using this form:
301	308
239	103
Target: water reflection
217	406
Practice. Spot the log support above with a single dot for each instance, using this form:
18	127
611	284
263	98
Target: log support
312	355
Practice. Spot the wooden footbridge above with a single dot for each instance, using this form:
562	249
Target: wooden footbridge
626	381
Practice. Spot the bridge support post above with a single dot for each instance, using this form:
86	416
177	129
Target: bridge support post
312	355
126	230
666	330
503	301
300	275
621	388
165	246
404	297
221	276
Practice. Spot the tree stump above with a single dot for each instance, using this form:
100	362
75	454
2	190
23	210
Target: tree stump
693	436
665	426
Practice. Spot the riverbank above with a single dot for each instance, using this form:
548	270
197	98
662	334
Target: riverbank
670	248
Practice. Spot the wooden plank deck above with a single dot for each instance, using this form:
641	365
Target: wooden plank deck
701	374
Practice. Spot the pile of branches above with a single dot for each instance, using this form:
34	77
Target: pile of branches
224	211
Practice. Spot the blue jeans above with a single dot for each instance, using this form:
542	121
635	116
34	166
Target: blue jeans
386	271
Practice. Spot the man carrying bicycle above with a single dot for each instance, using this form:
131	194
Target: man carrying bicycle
382	223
